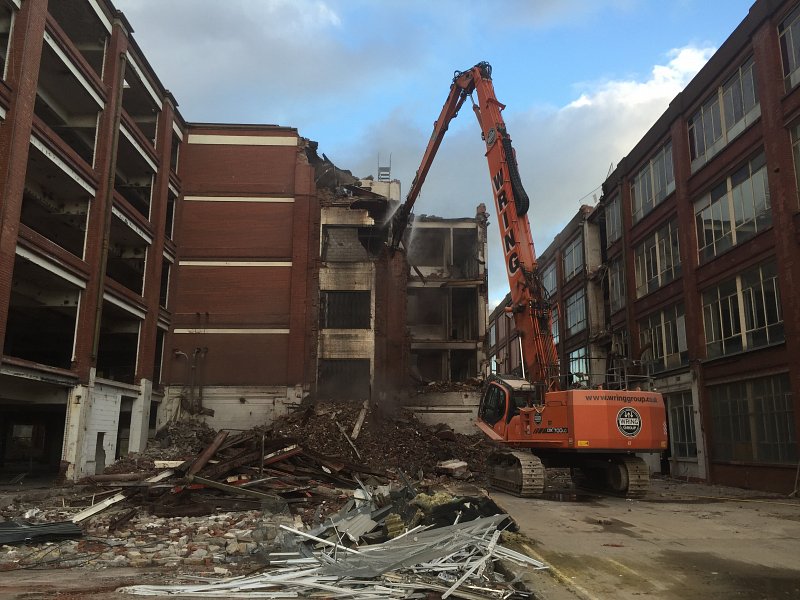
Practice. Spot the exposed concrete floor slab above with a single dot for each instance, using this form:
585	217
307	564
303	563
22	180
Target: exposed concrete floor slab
683	541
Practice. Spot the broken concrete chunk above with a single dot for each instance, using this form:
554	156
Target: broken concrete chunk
453	468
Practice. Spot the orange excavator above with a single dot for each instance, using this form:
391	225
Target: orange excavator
536	422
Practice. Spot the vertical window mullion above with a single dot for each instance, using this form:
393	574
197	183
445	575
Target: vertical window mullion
740	302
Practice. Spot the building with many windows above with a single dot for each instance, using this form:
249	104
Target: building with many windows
693	285
699	234
152	268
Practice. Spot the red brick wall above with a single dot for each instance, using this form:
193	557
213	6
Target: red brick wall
231	359
247	297
238	170
24	57
242	229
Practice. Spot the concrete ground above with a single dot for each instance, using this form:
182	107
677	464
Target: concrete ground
682	542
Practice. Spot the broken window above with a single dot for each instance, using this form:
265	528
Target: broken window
429	364
42	315
427	312
119	344
56	199
169	221
465	254
345	310
342	244
464	314
463	365
82	25
346	379
429	247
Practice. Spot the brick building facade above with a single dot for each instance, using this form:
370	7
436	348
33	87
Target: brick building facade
698	234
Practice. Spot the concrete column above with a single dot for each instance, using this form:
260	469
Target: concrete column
140	417
75	430
15	134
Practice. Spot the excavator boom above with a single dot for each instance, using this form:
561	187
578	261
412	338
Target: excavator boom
593	432
530	306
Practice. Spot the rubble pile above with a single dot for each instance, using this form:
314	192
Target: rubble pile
472	384
326	494
397	440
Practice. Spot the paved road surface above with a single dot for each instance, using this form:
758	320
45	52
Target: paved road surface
676	544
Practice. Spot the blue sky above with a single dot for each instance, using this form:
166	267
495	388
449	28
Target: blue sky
583	80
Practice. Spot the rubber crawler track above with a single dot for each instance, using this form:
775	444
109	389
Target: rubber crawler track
638	476
518	473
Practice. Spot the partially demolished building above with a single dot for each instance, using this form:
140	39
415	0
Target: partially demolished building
151	267
447	297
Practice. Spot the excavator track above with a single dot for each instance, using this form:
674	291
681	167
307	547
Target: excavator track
518	473
623	476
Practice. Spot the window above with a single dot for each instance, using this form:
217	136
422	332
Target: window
753	421
345	310
549	279
657	259
573	258
613	221
731	108
789	31
493	334
619	343
575	307
681	424
734	210
554	323
493	406
6	24
796	152
578	366
743	313
616	284
654	182
662	339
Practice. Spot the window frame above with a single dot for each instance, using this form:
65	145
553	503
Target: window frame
616	284
548	276
647	191
572	258
665	332
711	119
748	419
613	220
575	322
329	321
728	321
657	259
787	28
726	202
683	436
575	357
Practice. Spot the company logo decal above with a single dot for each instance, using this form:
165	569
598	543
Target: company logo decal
629	422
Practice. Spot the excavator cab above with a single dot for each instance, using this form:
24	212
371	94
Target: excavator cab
504	398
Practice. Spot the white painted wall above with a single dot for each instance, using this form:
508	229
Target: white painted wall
102	417
235	407
458	409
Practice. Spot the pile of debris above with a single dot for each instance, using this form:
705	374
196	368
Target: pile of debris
342	511
381	438
455	560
